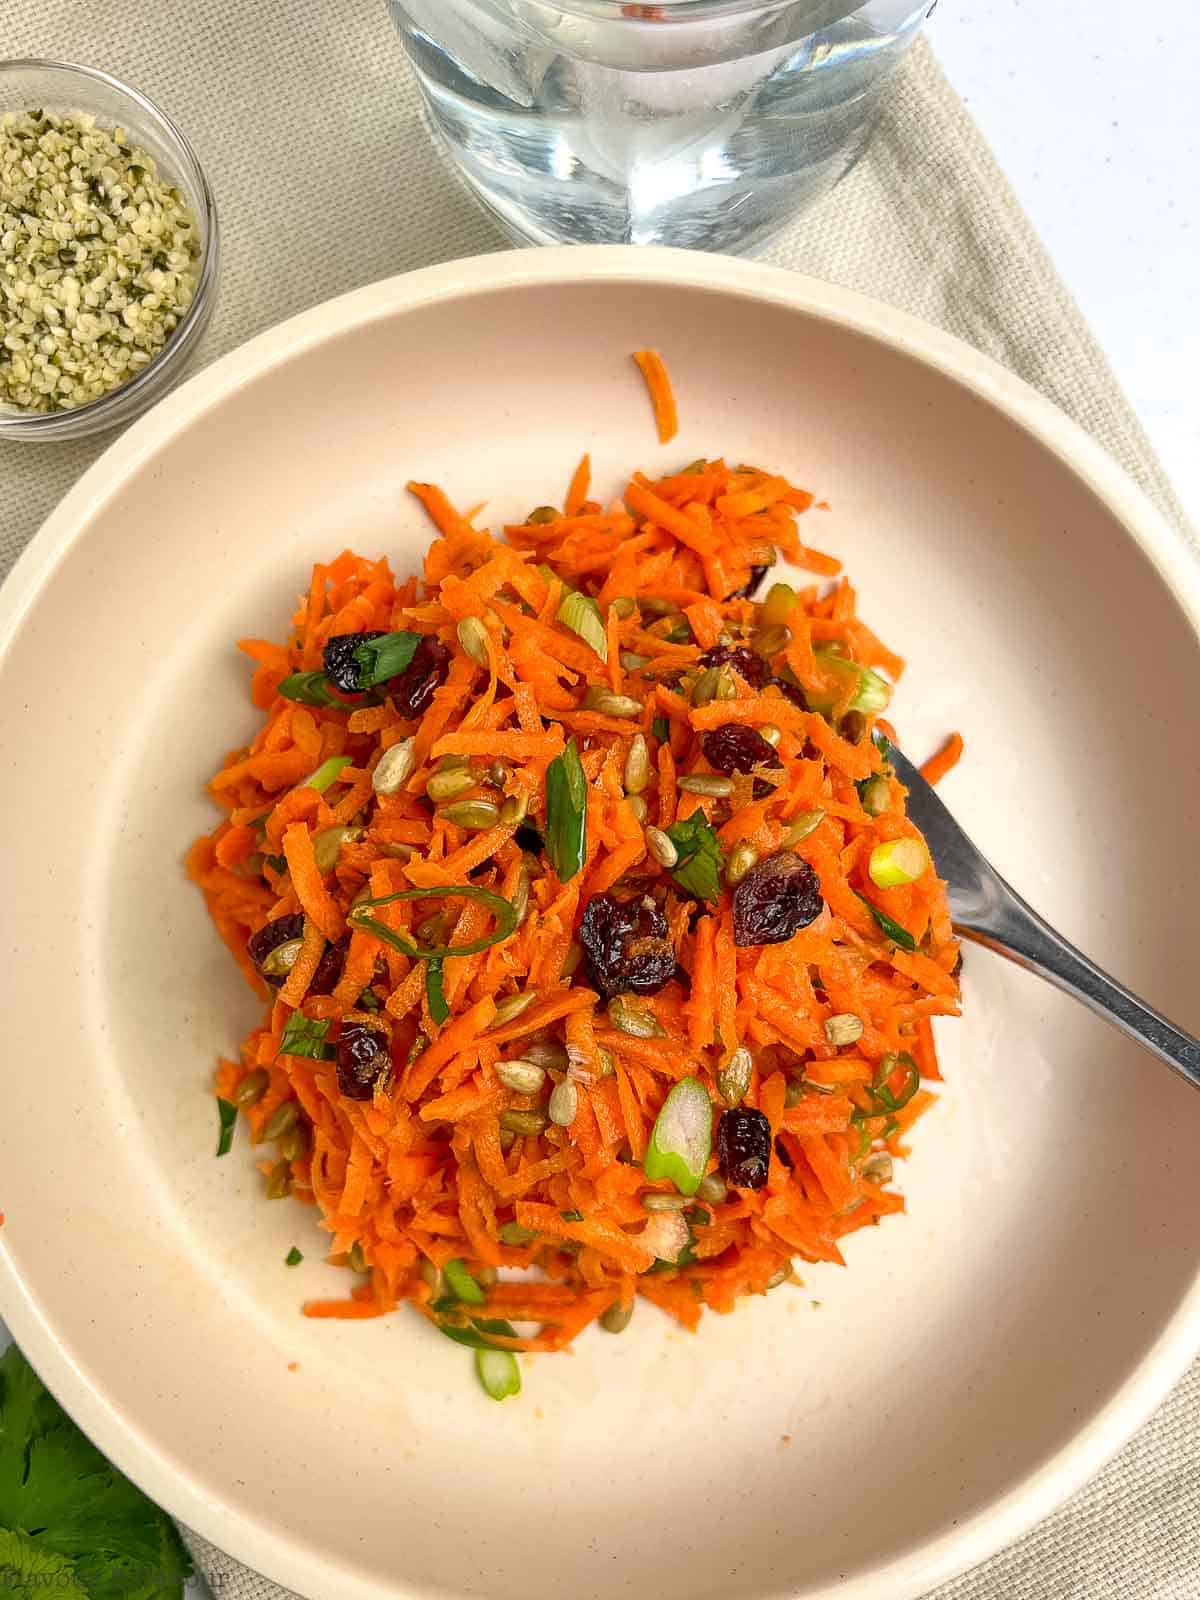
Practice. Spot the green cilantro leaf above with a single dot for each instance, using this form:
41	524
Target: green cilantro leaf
698	870
435	992
894	931
304	1036
293	1258
227	1115
72	1525
385	657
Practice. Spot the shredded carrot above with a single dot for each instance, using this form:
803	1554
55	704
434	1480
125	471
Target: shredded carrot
433	1151
946	759
662	397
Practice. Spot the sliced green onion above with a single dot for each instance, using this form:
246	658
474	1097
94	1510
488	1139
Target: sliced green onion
581	614
503	911
698	868
682	1138
897	862
305	1036
872	692
566	812
571	1216
368	1000
325	774
383	658
461	1284
498	1372
475	1335
227	1118
310	689
887	1068
895	932
293	1258
435	991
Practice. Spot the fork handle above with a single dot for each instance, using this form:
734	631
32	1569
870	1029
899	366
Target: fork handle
1012	928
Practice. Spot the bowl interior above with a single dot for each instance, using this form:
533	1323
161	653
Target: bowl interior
835	1438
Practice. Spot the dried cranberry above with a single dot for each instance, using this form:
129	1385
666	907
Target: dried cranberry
744	1147
341	664
775	899
329	969
734	747
792	692
746	592
628	945
412	690
362	1060
745	662
269	937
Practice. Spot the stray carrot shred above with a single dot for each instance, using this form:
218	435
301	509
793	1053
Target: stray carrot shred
422	1150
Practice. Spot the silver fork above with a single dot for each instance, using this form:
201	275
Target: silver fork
988	911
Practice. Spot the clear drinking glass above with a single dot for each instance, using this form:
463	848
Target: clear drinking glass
704	123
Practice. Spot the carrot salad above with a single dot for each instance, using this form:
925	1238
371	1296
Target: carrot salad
597	953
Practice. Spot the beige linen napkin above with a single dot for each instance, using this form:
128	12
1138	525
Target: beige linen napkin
308	124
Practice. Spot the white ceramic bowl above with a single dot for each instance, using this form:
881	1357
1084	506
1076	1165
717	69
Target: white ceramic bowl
866	1436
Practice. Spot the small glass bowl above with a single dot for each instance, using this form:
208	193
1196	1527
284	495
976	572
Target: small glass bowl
65	89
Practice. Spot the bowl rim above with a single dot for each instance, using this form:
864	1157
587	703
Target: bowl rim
1004	1519
105	410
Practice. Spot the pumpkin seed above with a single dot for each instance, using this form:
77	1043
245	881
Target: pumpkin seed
733	1079
515	807
283	1117
807	822
522	1077
878	1168
564	1104
523	1122
665	1202
444	786
520	899
279	1181
395	767
632	662
876	795
294	1143
661	847
844	1028
741	858
618	705
475	816
512	1007
771	733
252	1087
546	1053
623	606
355	1260
712	1190
770	641
706	783
498	774
542	514
705	687
572	959
634	1020
637	765
472	635
637	804
327	845
777	606
794	1093
432	1276
281	960
726	688
617	1318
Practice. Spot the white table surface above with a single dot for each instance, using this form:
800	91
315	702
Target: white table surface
1093	110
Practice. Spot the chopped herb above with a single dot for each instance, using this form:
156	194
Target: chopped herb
571	1216
699	1218
890	1127
897	934
435	991
293	1258
305	1036
661	729
698	870
276	863
503	910
311	689
385	657
461	1283
94	1533
368	1000
566	812
227	1115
